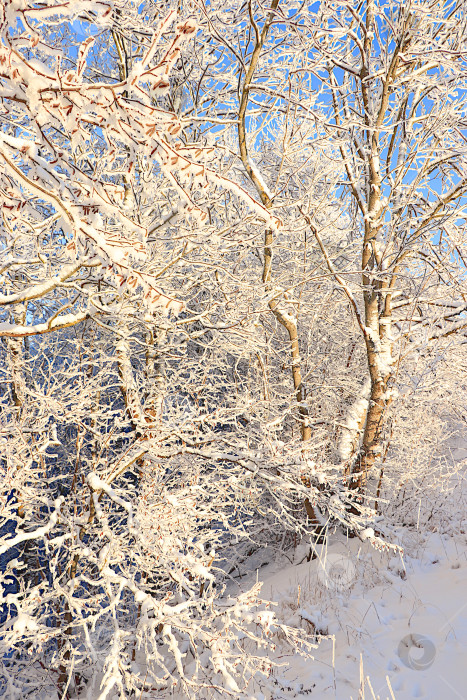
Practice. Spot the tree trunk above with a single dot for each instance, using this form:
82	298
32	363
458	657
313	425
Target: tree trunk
378	340
285	319
371	448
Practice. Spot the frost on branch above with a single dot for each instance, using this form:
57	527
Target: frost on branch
76	148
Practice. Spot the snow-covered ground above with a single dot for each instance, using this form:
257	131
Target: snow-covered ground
401	623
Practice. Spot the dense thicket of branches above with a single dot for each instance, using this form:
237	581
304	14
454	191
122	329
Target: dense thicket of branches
233	313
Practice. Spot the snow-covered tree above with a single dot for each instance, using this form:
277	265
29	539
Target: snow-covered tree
117	511
392	80
237	96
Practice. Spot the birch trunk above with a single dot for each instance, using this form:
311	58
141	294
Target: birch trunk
378	343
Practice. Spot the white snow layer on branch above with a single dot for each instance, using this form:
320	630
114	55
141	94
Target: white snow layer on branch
256	172
36	534
17	330
98	484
